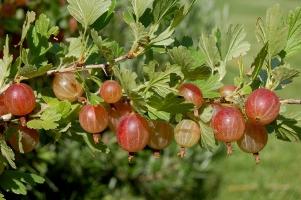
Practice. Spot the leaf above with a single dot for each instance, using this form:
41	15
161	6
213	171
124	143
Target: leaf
283	75
75	47
42	27
17	181
29	72
30	17
233	43
41	124
209	87
155	114
294	32
160	79
172	104
274	31
287	127
7	153
100	147
140	6
209	49
206	114
164	39
182	12
5	64
259	61
127	78
87	12
207	140
162	9
192	62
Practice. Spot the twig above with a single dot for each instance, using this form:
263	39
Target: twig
290	101
77	67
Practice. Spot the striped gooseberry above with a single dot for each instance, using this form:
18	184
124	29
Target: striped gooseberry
192	94
227	90
19	99
262	106
66	87
161	134
111	91
93	119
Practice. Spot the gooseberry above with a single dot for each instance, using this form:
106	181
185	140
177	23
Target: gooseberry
111	91
254	139
66	87
29	139
93	119
192	94
19	99
187	134
228	125
262	106
133	133
161	134
73	26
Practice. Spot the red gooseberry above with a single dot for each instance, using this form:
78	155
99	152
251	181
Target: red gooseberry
192	94
227	90
19	99
133	133
111	91
93	119
262	106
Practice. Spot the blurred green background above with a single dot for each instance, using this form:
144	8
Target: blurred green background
72	172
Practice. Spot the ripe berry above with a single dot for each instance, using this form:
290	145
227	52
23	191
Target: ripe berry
19	99
29	139
161	134
228	125
227	90
133	133
254	139
3	108
116	112
187	134
66	87
192	94
262	106
111	91
93	119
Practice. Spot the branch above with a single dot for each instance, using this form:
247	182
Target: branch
77	67
290	101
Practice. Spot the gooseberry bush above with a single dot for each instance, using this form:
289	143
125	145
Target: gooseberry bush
151	91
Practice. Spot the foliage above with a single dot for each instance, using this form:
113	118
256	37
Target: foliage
164	62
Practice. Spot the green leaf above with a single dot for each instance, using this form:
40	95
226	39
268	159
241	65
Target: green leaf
274	31
18	182
87	12
233	44
206	114
155	114
7	153
5	64
100	147
258	62
294	32
192	63
207	140
162	9
42	27
75	47
282	76
287	127
127	78
164	39
209	49
41	124
159	80
140	6
210	86
172	104
182	12
30	17
29	72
